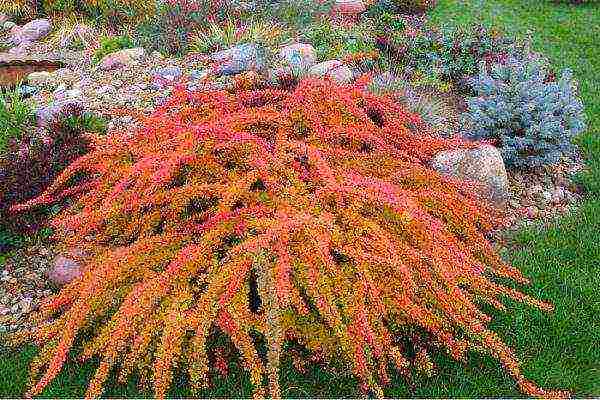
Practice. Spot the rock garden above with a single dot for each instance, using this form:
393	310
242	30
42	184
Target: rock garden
306	198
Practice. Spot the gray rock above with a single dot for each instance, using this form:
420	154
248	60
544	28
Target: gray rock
335	70
122	58
170	73
483	165
299	57
31	31
238	59
64	270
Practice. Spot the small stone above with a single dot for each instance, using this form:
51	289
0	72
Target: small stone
169	74
483	165
334	70
240	58
25	305
73	94
31	31
8	26
532	212
106	89
299	57
64	270
122	58
42	78
198	75
66	75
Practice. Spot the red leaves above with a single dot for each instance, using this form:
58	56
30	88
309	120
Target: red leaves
322	192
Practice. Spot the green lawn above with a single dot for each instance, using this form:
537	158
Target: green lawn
558	350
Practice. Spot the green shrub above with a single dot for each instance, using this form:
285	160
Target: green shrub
86	122
453	55
337	42
110	45
15	115
407	6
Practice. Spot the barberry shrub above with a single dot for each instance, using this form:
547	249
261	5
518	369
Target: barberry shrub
30	164
533	117
314	202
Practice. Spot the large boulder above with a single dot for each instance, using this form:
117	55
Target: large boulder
299	57
483	166
333	69
238	59
122	58
31	31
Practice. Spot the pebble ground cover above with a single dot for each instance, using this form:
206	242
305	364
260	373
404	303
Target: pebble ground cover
556	349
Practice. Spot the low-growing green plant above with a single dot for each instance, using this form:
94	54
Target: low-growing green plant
408	6
295	14
332	41
532	117
110	45
86	122
15	115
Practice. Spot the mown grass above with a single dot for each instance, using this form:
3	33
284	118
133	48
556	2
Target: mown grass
558	350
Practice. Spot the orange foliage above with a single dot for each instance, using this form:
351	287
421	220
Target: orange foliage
319	197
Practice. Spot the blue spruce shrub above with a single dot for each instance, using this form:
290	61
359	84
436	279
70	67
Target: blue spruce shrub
532	118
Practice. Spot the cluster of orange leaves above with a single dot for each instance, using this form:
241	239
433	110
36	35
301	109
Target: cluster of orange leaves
319	196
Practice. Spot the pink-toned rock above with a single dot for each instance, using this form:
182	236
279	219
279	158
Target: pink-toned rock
334	70
122	58
66	268
31	31
483	166
349	7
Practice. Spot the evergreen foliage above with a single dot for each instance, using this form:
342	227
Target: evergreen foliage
533	117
